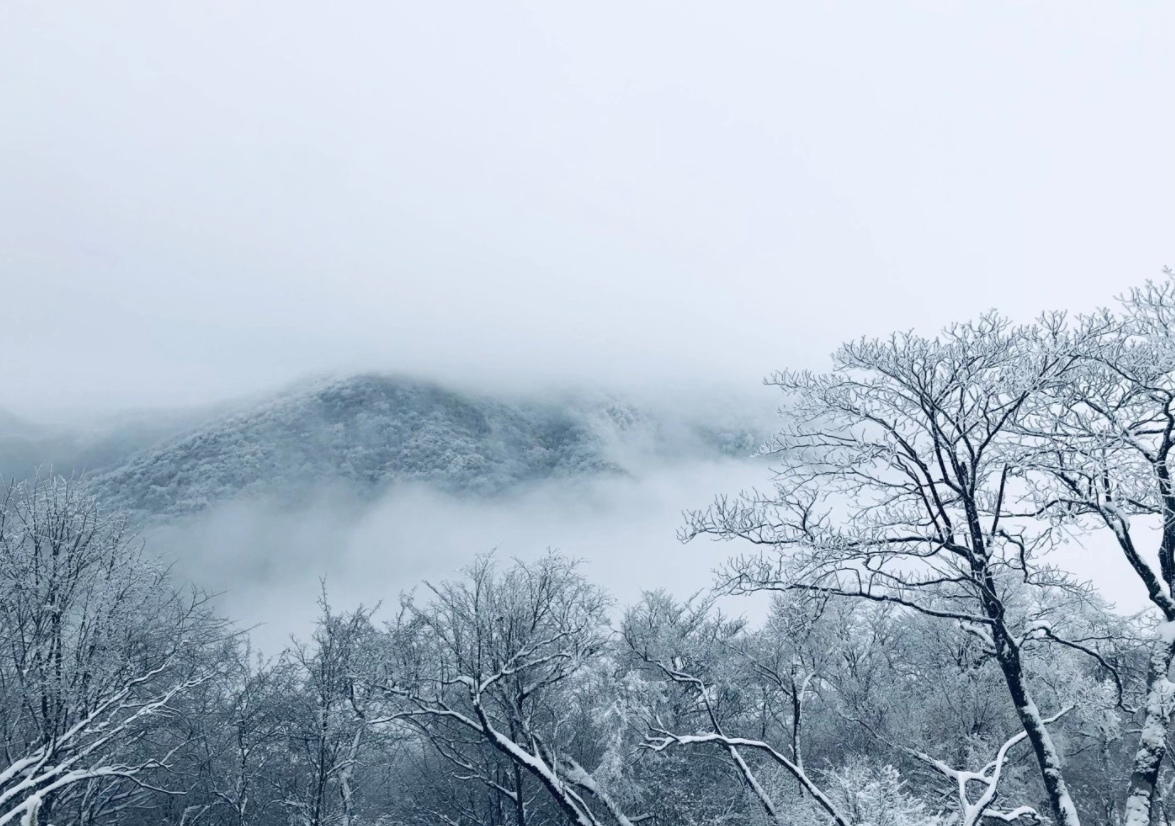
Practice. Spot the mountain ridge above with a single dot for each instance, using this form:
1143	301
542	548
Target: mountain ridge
370	431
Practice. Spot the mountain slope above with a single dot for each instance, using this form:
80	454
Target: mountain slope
367	432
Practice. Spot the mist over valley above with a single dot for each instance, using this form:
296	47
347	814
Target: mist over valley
375	482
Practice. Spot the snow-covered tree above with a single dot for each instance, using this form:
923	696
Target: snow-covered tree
1104	457
330	716
97	649
723	686
894	483
493	657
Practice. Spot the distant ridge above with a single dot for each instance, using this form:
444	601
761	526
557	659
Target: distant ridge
368	432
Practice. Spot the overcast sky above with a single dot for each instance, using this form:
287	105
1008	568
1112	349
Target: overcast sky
201	199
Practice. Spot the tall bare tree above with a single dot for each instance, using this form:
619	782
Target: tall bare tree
894	483
1100	455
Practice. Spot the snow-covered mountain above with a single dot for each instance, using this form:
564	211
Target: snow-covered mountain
367	432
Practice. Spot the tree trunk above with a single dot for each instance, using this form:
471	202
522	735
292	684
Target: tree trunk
519	797
346	778
1007	653
1047	757
797	716
1152	742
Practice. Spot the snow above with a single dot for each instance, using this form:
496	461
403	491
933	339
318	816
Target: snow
1167	632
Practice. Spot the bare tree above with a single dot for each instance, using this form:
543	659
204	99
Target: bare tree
894	484
97	647
331	714
240	724
1101	455
494	656
701	652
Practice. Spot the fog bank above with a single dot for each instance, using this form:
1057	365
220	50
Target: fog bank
267	561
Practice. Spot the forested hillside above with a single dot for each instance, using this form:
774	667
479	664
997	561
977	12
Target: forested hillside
366	432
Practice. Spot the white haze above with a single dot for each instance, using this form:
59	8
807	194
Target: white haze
268	561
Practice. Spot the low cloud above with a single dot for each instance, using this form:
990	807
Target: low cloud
267	561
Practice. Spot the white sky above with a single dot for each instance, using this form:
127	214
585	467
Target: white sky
200	199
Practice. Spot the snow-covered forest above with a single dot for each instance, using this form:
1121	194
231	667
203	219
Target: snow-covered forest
926	657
